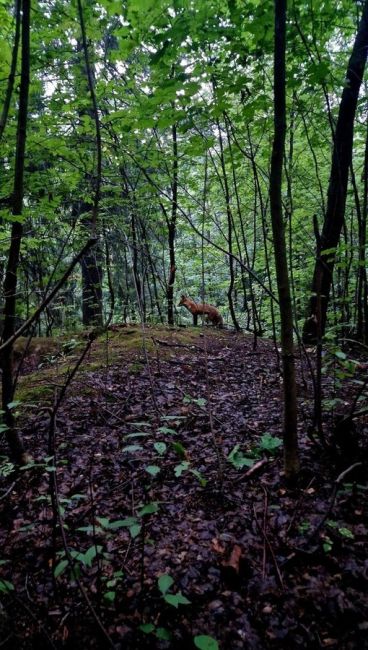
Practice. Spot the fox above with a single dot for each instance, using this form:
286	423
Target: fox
212	314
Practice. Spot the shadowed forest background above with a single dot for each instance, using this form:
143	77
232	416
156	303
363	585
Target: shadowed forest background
184	324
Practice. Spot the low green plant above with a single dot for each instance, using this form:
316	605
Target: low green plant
204	642
6	467
164	583
160	632
199	401
267	443
5	586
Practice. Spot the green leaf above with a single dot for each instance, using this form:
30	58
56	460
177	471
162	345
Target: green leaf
340	355
165	582
129	449
269	442
13	405
121	523
153	469
163	634
103	521
90	555
179	449
149	509
204	642
345	532
202	481
6	586
89	529
110	596
168	430
238	460
135	530
176	599
160	447
60	568
200	401
182	467
147	628
140	434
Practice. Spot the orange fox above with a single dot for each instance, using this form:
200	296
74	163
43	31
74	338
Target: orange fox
212	314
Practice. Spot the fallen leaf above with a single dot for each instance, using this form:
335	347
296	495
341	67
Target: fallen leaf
234	559
217	547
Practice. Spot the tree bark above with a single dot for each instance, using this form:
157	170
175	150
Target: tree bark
172	229
91	264
13	68
362	290
13	437
278	230
230	224
337	189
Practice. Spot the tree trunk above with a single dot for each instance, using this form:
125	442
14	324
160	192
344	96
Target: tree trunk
337	189
362	293
283	286
13	69
230	223
172	230
10	283
91	265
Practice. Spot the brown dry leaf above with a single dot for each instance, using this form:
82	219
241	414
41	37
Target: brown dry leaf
329	642
217	547
234	559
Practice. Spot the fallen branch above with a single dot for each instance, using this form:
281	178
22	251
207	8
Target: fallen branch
176	345
252	470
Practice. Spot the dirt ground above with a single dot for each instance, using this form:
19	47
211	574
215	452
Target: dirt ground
165	515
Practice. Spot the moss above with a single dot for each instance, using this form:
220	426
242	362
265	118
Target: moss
135	368
54	358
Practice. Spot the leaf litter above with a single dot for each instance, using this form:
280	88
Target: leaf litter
173	535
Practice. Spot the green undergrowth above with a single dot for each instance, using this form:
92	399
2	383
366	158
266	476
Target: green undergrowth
49	361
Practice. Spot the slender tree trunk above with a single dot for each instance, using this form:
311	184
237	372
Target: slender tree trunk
11	275
337	189
255	318
229	231
362	297
172	229
283	286
263	208
13	68
152	272
91	263
135	260
91	266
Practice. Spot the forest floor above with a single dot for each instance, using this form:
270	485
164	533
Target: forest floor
166	518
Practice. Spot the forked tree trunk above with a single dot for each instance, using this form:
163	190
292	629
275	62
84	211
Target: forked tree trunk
337	189
278	230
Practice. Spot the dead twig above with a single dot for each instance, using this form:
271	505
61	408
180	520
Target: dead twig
268	543
334	492
252	470
190	346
